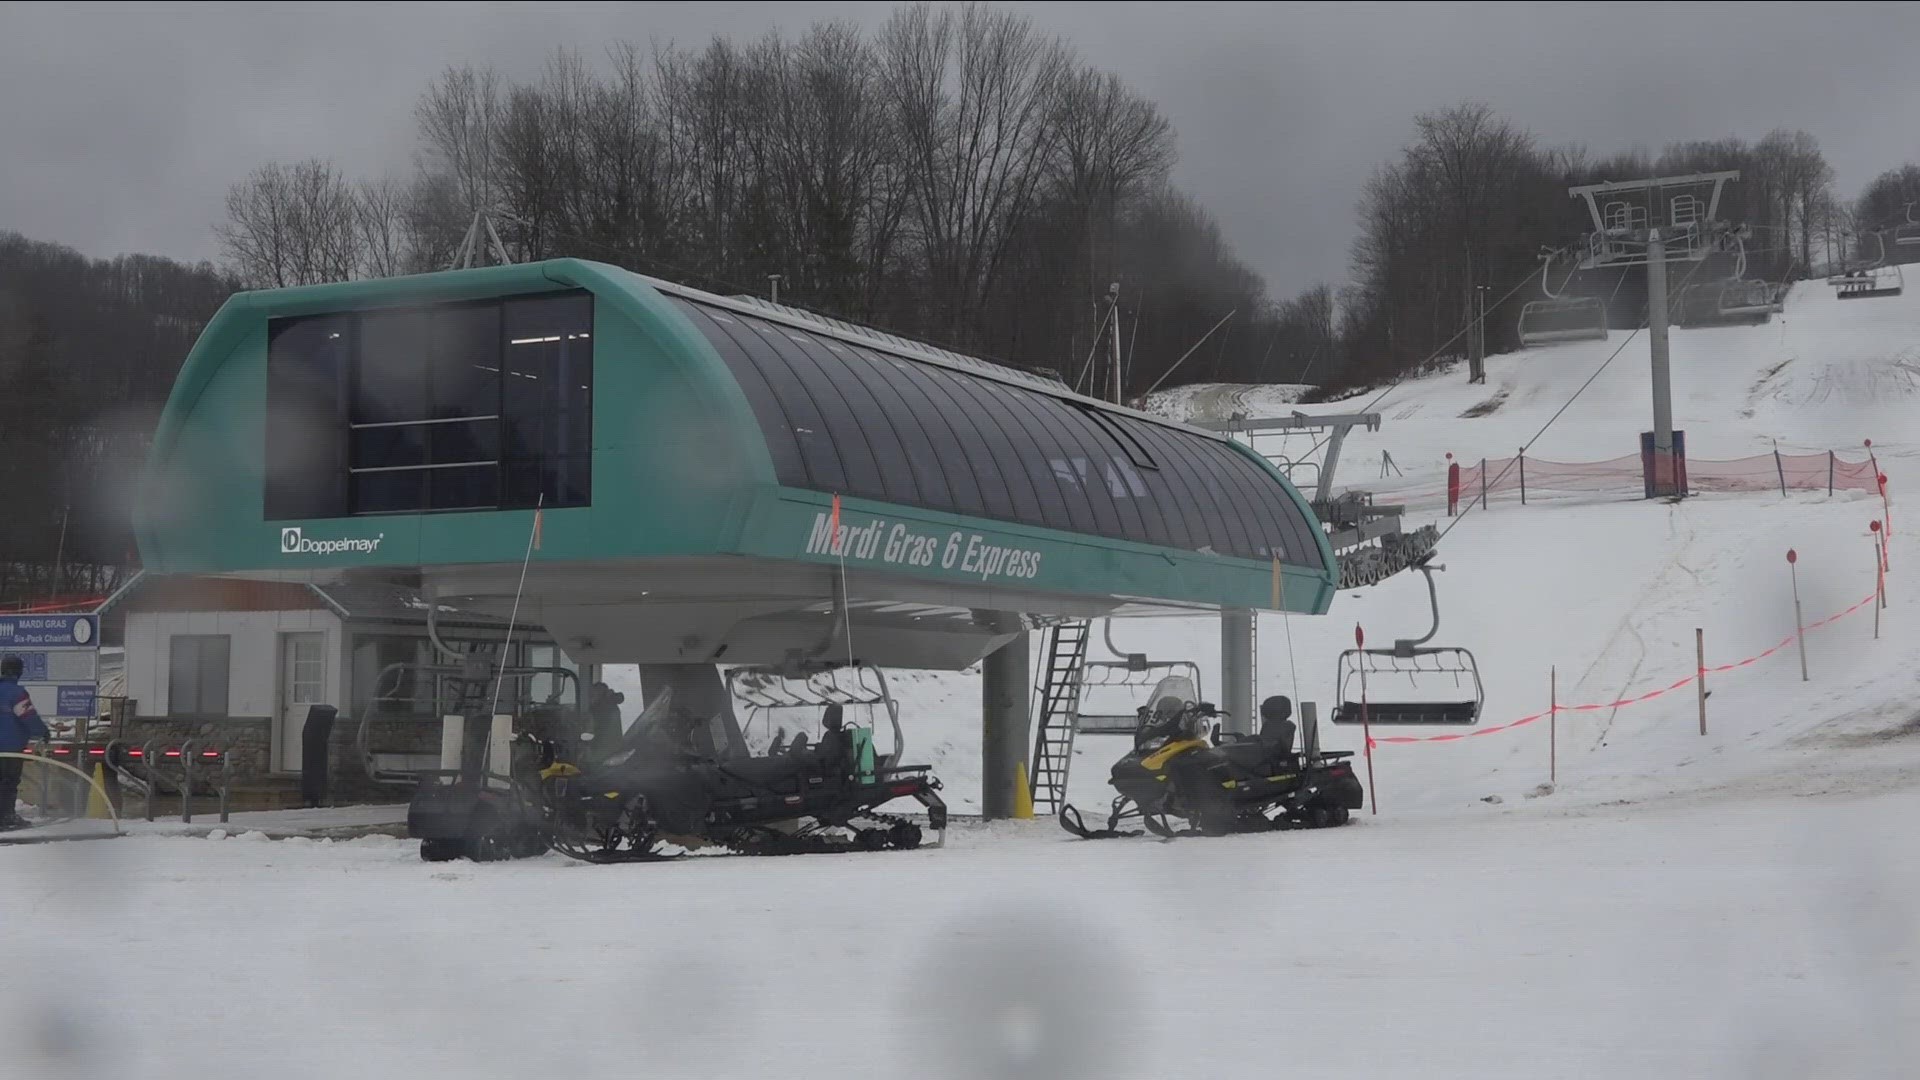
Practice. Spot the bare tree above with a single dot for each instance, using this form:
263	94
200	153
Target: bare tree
973	93
380	209
1112	146
291	225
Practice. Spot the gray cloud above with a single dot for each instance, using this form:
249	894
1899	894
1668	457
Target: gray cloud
123	125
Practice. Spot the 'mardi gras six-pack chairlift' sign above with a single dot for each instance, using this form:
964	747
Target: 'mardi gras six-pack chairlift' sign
59	657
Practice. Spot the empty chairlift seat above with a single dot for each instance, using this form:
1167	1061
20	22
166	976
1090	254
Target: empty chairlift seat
1409	682
1425	685
1543	322
1407	712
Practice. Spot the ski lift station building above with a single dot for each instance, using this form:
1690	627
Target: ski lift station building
650	473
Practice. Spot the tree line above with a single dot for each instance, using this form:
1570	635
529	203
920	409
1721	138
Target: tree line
88	352
953	175
1473	201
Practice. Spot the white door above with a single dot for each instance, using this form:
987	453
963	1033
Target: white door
303	682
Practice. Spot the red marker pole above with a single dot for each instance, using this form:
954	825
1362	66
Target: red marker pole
1799	629
1886	505
1553	725
1879	579
1366	723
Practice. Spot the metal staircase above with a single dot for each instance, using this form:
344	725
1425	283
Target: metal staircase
1063	654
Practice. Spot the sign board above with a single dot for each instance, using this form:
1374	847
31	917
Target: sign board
60	660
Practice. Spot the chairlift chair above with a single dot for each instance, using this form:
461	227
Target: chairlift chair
1162	679
1361	672
1907	234
447	687
1724	303
772	699
1746	300
1581	318
1559	317
1877	278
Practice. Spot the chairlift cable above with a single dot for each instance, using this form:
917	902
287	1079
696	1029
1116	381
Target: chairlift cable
1422	365
1563	408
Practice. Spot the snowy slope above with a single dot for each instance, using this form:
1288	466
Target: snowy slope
1219	401
1607	590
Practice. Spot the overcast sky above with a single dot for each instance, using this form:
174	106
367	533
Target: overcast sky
121	127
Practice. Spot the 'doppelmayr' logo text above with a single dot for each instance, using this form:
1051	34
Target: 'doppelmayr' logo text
295	542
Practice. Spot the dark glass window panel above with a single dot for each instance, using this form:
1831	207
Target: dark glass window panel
465	360
390	492
567	315
403	379
464	441
465	488
387	447
308	363
198	673
390	370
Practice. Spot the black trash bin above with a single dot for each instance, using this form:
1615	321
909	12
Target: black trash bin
316	758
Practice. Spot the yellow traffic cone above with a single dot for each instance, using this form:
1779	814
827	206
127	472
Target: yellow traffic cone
97	806
1022	795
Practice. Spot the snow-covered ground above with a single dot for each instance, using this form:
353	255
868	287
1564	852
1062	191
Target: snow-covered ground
1697	937
1736	904
1220	401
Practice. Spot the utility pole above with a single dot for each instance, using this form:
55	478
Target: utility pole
1666	478
1477	358
1113	317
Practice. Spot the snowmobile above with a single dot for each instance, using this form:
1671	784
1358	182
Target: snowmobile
1226	784
665	784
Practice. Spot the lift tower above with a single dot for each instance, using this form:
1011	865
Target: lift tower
1653	222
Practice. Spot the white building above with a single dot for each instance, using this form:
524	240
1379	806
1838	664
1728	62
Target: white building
241	662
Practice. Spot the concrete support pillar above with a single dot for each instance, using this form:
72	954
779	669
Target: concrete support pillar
1005	724
1236	670
700	690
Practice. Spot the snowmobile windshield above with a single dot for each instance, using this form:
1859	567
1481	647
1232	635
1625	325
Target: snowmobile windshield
1174	692
642	729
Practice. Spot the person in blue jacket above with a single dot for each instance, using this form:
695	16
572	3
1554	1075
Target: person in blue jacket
20	724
